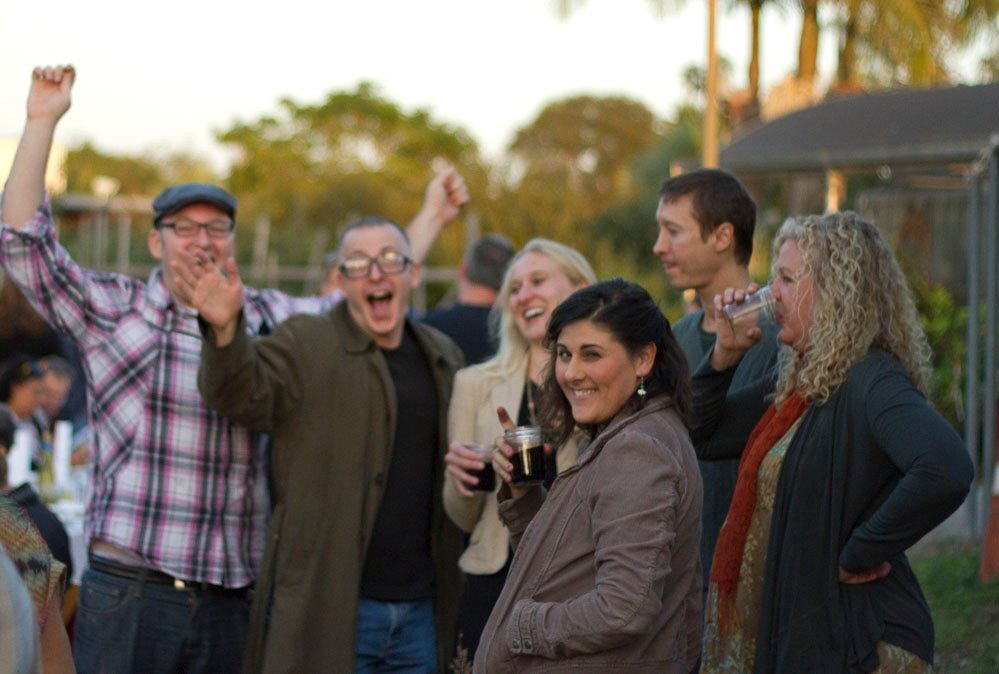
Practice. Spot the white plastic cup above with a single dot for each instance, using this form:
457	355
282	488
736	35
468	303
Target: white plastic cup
62	451
19	459
756	307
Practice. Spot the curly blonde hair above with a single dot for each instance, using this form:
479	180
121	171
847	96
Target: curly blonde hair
862	300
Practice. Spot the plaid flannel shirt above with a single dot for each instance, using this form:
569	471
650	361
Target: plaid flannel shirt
171	480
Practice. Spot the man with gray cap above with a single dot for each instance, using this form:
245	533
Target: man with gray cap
479	278
179	503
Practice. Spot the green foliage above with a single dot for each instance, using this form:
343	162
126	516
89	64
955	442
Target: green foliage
965	610
577	181
137	175
629	224
355	153
945	323
584	146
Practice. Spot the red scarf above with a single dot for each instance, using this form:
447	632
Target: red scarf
732	539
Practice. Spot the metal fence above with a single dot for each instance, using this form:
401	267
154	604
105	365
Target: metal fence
980	392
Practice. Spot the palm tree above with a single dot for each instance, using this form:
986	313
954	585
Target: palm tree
755	11
895	41
808	43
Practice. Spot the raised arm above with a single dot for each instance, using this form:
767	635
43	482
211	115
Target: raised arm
446	194
48	101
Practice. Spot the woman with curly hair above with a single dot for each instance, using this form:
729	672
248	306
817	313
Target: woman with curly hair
846	467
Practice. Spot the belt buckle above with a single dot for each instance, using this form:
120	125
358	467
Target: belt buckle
178	584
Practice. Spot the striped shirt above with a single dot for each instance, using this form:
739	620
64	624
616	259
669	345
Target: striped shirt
171	480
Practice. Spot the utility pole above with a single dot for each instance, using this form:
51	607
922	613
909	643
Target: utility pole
709	144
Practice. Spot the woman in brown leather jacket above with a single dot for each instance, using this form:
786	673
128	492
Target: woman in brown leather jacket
606	573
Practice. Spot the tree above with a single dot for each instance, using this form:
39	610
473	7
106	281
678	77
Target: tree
753	76
808	42
895	42
316	166
574	158
138	176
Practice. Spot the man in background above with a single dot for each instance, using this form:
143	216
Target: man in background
706	221
479	278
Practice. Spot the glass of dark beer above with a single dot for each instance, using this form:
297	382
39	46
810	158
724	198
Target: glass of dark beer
528	454
487	476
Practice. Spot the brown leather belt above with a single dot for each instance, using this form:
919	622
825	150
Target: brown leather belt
144	575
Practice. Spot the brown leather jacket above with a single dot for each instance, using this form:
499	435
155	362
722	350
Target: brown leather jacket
607	573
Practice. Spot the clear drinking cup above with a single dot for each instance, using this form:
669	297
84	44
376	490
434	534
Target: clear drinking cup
487	476
757	307
528	454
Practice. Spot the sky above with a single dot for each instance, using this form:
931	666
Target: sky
164	77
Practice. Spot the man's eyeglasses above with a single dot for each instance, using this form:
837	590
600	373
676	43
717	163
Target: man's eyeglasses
389	262
186	228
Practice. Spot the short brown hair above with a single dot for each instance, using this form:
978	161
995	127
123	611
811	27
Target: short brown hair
716	197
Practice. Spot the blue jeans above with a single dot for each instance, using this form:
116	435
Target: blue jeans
396	636
131	626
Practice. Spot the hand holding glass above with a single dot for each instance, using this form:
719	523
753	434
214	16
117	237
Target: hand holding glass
486	476
528	457
756	307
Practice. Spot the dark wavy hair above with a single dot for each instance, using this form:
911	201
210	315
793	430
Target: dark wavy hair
629	313
14	371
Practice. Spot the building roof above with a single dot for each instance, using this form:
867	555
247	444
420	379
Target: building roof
913	126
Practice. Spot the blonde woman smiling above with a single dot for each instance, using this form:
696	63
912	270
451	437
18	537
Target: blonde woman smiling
538	278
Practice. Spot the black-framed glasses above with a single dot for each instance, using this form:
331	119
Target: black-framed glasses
187	228
389	261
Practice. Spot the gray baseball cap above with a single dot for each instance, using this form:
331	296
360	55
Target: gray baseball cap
176	197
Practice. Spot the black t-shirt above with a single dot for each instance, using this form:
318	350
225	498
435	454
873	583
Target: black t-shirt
399	566
468	326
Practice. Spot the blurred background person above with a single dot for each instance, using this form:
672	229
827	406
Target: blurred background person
847	466
59	378
49	526
538	278
22	329
607	574
18	634
330	264
479	278
21	390
706	224
43	574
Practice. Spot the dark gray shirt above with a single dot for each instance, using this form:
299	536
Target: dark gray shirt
719	476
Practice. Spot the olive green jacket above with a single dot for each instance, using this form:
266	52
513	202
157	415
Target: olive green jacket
322	389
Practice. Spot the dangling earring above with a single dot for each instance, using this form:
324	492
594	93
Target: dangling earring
641	388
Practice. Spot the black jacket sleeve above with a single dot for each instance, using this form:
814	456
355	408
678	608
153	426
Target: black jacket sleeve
936	472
